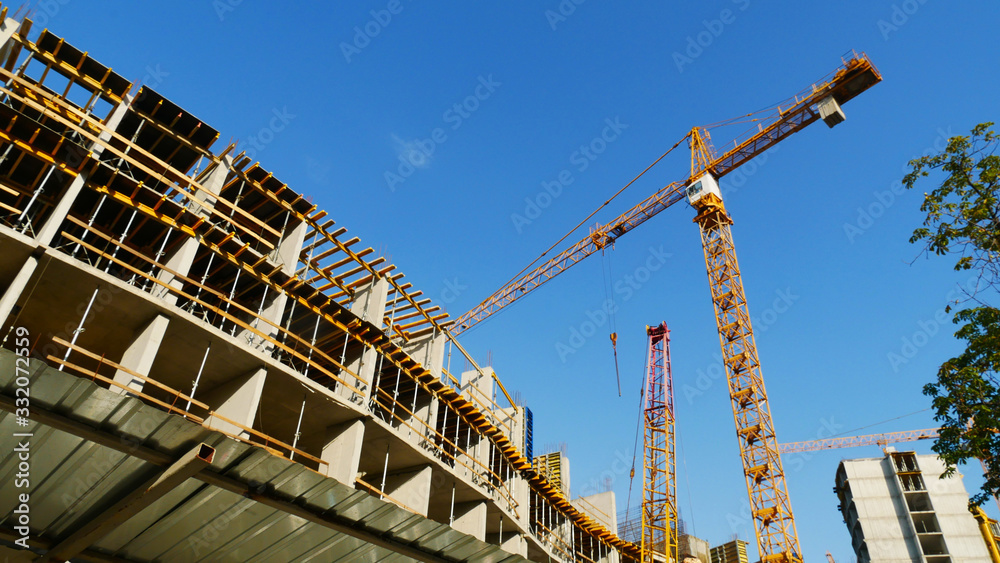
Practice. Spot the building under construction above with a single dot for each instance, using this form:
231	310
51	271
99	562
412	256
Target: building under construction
899	508
219	372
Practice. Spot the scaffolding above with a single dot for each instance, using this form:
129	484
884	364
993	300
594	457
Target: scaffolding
125	188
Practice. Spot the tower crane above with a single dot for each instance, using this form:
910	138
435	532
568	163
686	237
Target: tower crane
659	484
774	524
858	441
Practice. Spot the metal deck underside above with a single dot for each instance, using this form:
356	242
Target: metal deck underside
91	447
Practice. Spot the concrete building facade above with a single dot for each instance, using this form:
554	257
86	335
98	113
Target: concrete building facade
156	274
898	509
686	543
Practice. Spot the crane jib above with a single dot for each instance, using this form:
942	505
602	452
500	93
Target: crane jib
853	77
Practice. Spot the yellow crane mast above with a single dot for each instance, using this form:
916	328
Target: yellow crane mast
770	507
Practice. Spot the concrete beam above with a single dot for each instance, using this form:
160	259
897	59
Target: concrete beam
165	481
470	518
411	487
141	352
237	400
211	477
343	450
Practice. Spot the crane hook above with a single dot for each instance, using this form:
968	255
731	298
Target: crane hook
614	347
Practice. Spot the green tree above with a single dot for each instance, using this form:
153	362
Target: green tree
963	220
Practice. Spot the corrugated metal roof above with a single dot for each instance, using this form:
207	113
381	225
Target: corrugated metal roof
77	473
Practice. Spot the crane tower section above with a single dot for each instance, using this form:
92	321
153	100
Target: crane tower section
659	485
770	506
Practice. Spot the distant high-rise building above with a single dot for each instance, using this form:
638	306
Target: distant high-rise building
731	552
897	508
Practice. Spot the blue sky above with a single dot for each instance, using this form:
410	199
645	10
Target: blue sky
831	303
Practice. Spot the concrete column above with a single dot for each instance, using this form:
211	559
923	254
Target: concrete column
237	400
468	456
287	252
65	203
140	354
411	487
512	419
600	507
429	351
477	387
7	29
470	518
180	263
274	308
211	187
182	259
343	450
370	300
428	414
369	305
522	495
513	542
16	289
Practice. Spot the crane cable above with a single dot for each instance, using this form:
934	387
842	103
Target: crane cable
635	444
614	347
608	281
603	205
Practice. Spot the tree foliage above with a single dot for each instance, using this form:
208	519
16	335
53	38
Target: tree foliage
963	220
